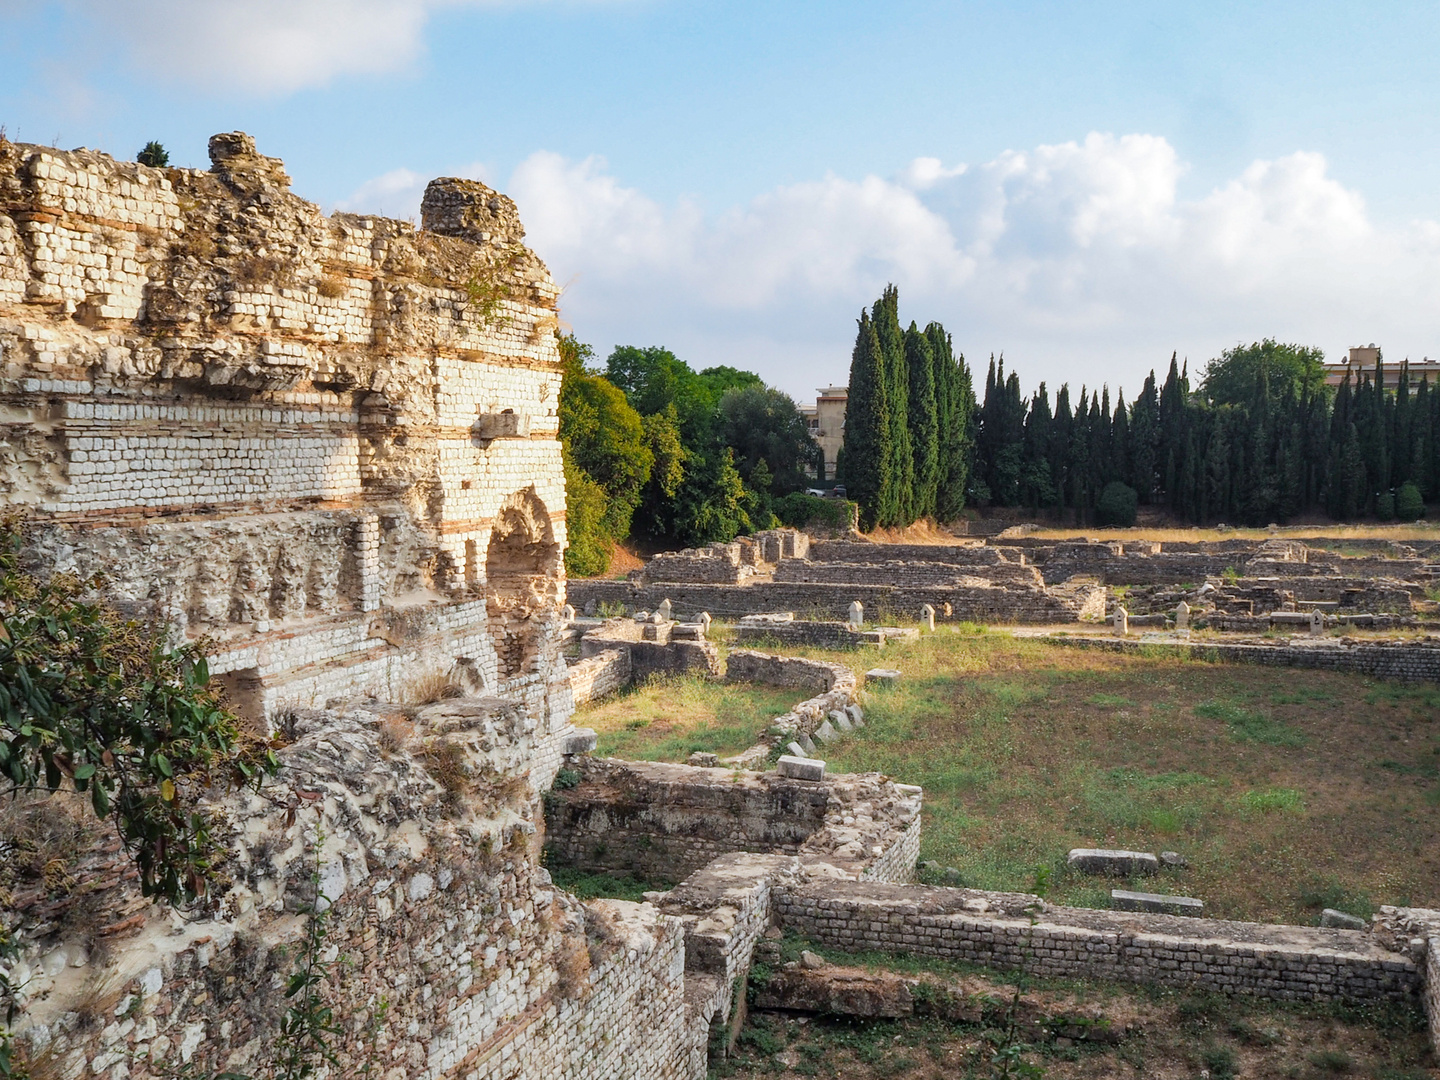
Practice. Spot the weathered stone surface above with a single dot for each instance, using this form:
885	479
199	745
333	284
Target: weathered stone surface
1118	863
702	760
800	768
836	991
856	714
583	741
827	734
1342	920
1174	860
1124	900
839	719
881	677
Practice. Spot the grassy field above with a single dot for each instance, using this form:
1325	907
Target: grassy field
1288	791
669	720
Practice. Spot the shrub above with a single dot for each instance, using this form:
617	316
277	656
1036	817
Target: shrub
1409	503
153	155
799	510
1117	505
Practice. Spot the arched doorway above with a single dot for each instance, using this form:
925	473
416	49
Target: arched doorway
523	581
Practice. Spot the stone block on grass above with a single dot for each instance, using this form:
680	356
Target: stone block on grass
1124	900
583	741
856	714
826	734
1116	863
1341	920
800	768
840	721
881	677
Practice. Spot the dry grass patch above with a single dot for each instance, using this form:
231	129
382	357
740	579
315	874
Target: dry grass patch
669	719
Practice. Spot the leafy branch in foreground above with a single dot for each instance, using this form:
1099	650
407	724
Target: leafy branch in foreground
93	702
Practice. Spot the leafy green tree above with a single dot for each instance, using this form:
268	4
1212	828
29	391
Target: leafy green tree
1409	503
869	467
608	460
153	154
762	425
711	502
1238	376
1117	505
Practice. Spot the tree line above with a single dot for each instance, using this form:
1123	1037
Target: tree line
673	455
1261	439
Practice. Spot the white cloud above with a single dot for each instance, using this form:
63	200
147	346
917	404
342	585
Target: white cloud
1081	261
267	47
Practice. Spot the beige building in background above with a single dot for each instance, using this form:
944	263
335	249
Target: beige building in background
827	423
1362	359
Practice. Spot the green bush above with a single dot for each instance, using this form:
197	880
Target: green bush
1385	506
799	510
154	155
1117	505
1409	503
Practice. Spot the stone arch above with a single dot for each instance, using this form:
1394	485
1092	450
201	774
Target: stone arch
523	581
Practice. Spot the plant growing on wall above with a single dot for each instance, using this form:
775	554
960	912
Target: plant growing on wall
96	704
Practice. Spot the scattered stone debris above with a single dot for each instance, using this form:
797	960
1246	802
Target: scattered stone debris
1112	862
1124	900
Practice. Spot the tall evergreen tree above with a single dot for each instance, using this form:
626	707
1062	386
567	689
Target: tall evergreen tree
924	423
869	473
895	507
955	409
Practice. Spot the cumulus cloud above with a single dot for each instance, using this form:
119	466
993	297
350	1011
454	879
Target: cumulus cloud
1082	261
268	47
398	192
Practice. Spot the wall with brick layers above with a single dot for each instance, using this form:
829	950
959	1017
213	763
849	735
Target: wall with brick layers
1414	661
268	425
1288	963
439	905
980	603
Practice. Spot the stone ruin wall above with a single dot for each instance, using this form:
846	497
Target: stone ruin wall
329	446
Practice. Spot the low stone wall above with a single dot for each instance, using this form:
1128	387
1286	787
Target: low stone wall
813	632
906	574
747	665
977	602
856	551
1286	963
1412	661
600	674
664	821
652	648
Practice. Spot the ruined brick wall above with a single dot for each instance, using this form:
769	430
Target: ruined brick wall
980	602
329	444
596	676
1288	963
1413	661
437	900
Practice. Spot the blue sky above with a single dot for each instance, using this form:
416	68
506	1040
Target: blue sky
1085	187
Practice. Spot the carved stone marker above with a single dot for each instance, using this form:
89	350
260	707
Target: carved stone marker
1122	622
857	614
582	742
664	609
1317	623
1182	616
567	613
704	622
799	768
927	617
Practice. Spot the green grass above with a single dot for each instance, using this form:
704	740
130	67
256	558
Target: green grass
1269	784
669	719
588	886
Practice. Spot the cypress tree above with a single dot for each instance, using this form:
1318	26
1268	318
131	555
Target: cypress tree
924	423
1145	440
956	397
895	503
868	466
